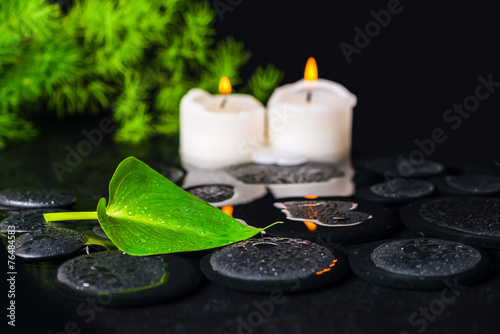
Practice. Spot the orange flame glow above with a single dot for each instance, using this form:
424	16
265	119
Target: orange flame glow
311	226
310	196
327	269
311	71
225	86
228	209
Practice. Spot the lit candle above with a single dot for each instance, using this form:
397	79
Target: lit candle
313	117
219	130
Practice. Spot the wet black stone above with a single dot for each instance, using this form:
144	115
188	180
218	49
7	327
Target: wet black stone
212	193
323	212
35	198
468	184
111	272
26	221
394	167
396	191
174	174
425	257
419	263
100	232
365	221
49	243
266	264
474	220
474	215
128	280
311	172
475	183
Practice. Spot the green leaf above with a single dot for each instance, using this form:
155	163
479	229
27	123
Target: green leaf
147	214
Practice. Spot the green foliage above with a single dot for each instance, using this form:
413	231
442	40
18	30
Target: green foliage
137	58
263	82
14	128
147	214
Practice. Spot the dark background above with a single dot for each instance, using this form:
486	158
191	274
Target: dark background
427	59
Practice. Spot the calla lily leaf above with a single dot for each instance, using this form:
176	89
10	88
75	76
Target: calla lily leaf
147	214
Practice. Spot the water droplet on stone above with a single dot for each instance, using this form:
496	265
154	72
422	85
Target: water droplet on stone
27	197
111	271
474	215
271	259
425	257
403	188
49	243
27	221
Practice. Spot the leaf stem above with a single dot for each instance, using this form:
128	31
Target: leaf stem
60	216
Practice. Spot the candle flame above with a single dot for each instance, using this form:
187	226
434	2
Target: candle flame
311	71
224	85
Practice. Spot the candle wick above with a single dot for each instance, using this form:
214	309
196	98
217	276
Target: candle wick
223	103
309	96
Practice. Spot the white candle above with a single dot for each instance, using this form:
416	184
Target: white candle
319	127
214	133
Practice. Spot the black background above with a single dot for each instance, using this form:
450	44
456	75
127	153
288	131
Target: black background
425	60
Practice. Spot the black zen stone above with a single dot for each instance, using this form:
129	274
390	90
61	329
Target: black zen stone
26	221
469	185
364	177
311	172
274	264
332	221
124	280
174	174
100	232
473	220
212	193
49	243
35	198
419	263
390	167
396	191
